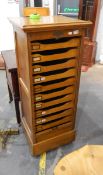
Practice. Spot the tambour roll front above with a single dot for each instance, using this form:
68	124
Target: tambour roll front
49	57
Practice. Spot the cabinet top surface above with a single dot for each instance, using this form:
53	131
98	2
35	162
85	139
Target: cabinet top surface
26	23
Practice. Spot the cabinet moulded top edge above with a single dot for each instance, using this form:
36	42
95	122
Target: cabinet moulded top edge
48	23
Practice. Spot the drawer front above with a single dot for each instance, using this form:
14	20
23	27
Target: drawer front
46	68
60	83
55	34
52	132
69	73
55	55
45	112
64	91
57	44
54	123
42	105
54	117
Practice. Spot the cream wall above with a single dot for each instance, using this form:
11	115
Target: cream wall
31	3
6	31
50	4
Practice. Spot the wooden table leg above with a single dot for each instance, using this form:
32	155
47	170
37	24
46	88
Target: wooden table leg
16	102
10	94
16	95
12	80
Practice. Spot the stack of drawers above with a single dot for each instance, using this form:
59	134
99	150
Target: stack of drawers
54	72
48	57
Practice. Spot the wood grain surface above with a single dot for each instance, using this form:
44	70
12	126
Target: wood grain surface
85	161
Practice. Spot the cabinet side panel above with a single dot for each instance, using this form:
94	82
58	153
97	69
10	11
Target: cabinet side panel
24	79
22	57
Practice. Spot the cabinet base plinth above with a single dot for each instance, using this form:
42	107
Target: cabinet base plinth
53	143
48	144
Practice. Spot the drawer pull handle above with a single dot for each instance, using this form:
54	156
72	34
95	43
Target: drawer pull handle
36	47
76	32
41	121
40	113
43	112
39	79
37	69
38	98
42	78
36	59
70	33
38	105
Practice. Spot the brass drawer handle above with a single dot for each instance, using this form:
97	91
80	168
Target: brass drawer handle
39	79
38	105
43	120
43	112
37	69
36	59
35	47
38	98
70	33
40	121
40	113
76	32
42	78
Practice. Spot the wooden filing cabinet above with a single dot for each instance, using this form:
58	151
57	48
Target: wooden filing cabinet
49	58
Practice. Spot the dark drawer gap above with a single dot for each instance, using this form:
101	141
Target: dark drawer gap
54	81
50	63
55	90
49	115
54	98
55	127
54	106
54	40
54	113
54	51
55	72
54	120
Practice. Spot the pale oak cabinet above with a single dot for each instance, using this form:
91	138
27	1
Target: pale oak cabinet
48	54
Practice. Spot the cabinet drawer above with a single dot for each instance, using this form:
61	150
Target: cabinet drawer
54	117
45	87
55	34
65	106
55	43
53	132
64	99
46	68
69	73
54	55
54	123
64	91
